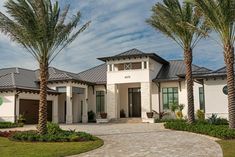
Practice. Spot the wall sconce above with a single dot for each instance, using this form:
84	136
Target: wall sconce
71	98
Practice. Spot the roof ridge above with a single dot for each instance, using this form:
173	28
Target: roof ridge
63	71
13	79
133	49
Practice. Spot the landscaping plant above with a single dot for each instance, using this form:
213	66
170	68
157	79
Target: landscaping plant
200	115
54	134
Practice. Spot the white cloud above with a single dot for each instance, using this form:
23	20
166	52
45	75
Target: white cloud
116	26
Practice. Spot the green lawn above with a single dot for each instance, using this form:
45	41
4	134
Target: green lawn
23	149
228	147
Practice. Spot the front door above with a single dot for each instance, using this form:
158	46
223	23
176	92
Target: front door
134	99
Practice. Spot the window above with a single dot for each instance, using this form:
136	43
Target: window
170	96
145	65
99	101
127	66
201	98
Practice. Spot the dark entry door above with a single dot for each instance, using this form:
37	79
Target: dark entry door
30	109
134	96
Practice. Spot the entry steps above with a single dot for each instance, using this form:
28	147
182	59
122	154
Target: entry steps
126	120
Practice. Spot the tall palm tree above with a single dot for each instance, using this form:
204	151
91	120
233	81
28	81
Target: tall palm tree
183	24
220	16
42	28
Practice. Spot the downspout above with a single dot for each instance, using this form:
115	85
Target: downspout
204	102
159	96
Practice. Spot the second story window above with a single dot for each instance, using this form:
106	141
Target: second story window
127	66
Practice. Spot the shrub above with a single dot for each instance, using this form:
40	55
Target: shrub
174	107
215	120
91	116
53	128
9	125
219	131
200	115
179	114
54	134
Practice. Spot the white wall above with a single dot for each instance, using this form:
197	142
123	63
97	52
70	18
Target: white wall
154	68
7	108
215	100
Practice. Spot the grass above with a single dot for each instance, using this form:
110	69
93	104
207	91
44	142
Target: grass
227	147
25	149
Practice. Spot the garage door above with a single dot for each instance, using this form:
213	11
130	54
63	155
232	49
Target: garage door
30	108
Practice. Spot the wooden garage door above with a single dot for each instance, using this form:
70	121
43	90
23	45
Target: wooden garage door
30	108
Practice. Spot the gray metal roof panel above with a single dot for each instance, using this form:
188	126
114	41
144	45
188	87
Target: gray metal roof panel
96	75
176	68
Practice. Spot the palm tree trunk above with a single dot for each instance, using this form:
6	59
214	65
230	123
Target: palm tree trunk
188	58
229	61
42	121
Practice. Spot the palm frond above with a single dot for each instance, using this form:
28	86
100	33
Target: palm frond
180	22
40	26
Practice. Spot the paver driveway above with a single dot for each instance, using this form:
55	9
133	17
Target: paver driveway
147	140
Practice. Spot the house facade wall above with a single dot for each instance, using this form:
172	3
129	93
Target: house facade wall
216	101
8	106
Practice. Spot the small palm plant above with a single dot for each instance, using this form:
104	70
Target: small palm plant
185	25
44	31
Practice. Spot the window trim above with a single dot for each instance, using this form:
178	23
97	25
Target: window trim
168	93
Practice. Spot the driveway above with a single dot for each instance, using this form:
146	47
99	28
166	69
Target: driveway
146	140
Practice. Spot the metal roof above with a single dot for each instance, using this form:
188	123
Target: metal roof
96	75
176	69
29	79
134	53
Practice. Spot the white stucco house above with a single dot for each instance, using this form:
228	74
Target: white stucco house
134	82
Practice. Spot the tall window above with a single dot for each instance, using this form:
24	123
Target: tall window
99	101
170	96
201	98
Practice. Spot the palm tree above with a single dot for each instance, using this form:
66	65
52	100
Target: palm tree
220	16
183	24
43	30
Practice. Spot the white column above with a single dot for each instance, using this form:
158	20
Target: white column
112	101
17	107
85	107
55	117
145	99
69	105
142	65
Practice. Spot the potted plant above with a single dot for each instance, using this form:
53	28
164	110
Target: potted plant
21	119
103	115
149	114
122	114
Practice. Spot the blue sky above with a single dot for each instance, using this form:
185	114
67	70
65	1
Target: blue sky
117	26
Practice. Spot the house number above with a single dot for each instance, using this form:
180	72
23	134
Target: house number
127	77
